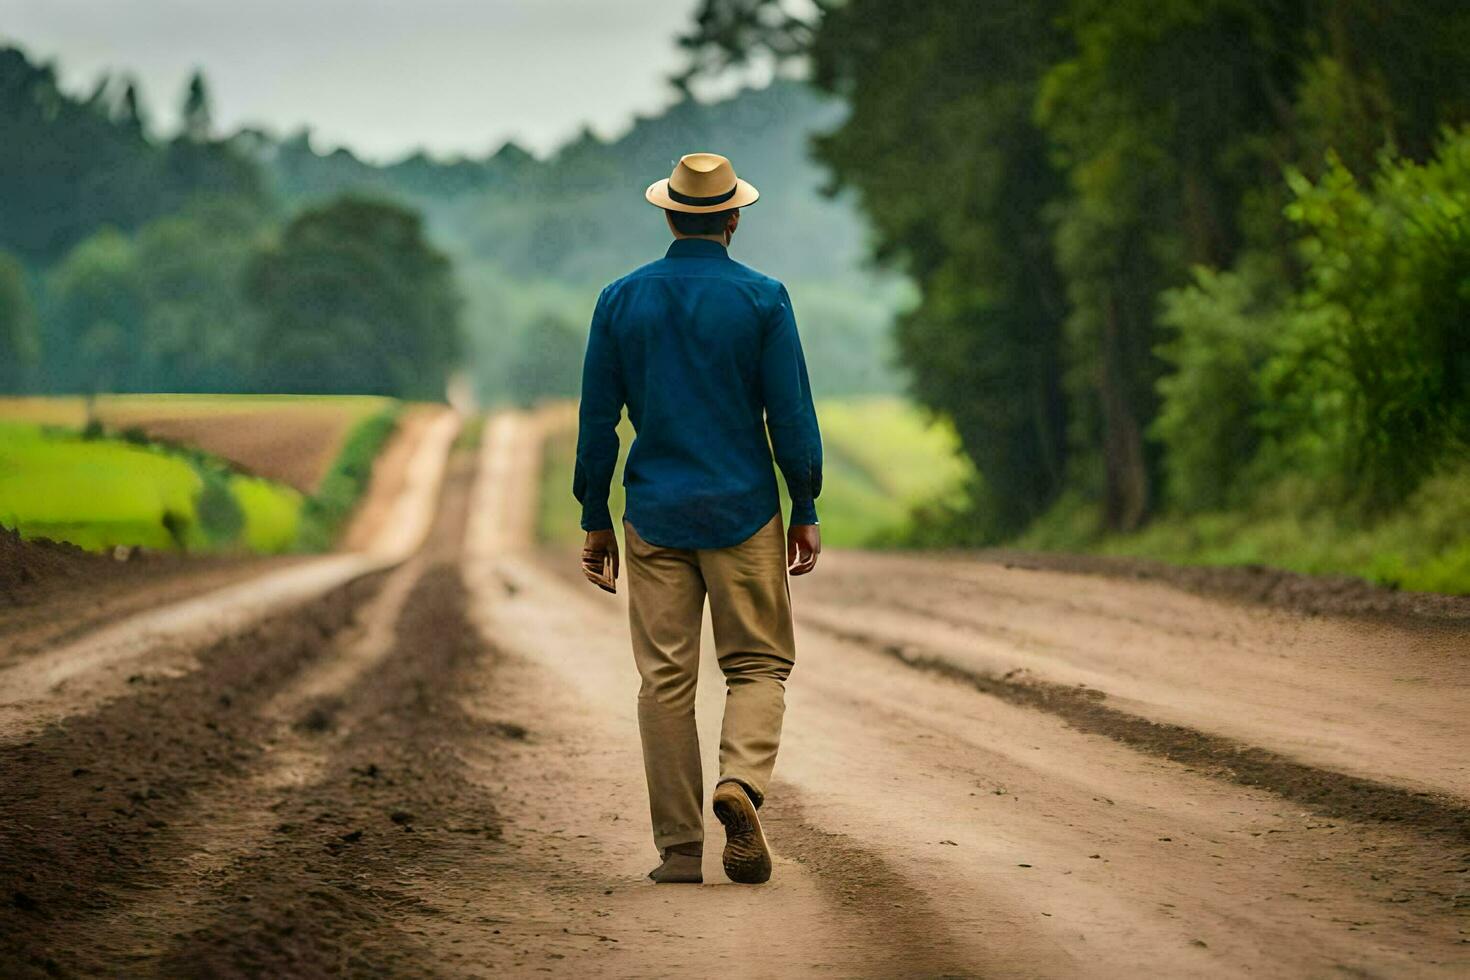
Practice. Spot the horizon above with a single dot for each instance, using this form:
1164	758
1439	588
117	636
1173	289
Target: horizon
291	84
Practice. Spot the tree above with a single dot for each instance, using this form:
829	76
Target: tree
353	299
70	166
943	154
66	167
130	112
198	332
195	164
20	344
1047	171
196	114
98	316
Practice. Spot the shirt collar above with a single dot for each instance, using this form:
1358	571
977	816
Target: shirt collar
696	248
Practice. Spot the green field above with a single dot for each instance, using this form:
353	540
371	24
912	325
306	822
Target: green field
263	474
102	492
882	457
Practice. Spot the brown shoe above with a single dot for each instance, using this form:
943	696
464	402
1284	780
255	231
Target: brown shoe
679	867
747	857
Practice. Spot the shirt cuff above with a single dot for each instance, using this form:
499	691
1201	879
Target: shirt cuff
803	512
596	518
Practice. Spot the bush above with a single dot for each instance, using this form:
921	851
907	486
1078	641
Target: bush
1223	328
1372	372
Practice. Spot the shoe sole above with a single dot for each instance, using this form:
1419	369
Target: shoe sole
747	857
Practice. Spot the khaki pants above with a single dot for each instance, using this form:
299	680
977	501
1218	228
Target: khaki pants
750	609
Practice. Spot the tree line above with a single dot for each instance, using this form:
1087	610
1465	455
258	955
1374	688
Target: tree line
534	239
1170	255
131	261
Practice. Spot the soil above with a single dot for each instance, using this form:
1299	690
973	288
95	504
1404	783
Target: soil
292	444
52	591
434	771
389	477
299	757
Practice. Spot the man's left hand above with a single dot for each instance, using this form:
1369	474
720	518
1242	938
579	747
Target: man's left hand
803	545
600	559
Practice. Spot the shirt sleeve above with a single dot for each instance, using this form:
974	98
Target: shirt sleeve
597	428
791	418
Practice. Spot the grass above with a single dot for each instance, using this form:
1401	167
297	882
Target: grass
286	438
327	510
882	457
102	492
1422	546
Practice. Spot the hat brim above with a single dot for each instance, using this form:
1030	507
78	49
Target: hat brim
658	195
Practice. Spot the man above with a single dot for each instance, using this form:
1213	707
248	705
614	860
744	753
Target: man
704	353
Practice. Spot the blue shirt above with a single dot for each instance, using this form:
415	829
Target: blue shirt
704	352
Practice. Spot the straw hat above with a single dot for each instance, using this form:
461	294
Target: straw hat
701	183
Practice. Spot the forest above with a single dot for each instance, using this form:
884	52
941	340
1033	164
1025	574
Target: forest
1195	258
1188	279
137	260
133	262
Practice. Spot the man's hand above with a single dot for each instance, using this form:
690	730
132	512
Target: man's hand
600	559
803	545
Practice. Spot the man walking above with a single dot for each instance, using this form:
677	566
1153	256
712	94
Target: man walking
704	353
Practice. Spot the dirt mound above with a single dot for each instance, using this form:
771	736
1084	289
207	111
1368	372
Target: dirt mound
1316	595
27	567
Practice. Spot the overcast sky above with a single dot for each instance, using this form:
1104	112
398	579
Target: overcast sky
382	76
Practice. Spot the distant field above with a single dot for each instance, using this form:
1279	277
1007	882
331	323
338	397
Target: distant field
265	474
289	439
101	493
882	458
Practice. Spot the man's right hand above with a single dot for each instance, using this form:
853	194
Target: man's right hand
803	545
600	552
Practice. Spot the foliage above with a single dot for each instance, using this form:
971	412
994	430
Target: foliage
354	300
199	334
70	166
956	194
97	314
1373	370
20	345
1420	545
538	238
142	246
1050	173
1223	329
327	510
161	310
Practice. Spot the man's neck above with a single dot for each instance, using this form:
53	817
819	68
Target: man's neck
717	239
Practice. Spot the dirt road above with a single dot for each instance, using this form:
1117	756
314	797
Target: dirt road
430	767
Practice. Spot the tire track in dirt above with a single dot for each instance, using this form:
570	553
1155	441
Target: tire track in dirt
568	885
1330	794
333	889
380	797
77	677
281	695
1377	701
90	802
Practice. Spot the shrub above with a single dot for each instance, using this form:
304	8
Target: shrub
1222	328
1372	370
